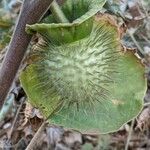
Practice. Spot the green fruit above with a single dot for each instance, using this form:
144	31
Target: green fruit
89	84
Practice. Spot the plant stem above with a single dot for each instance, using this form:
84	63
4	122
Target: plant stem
31	12
36	137
136	43
16	117
129	134
58	13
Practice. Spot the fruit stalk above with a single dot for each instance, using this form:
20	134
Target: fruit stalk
58	13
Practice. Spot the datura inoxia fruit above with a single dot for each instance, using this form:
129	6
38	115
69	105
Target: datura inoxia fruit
84	80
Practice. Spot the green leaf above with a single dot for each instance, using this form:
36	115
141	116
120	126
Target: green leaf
81	10
63	33
80	13
96	85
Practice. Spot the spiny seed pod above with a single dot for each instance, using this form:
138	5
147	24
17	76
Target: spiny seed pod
86	83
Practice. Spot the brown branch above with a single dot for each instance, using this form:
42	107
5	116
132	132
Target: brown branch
31	12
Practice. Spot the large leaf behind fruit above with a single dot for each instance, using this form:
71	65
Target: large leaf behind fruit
119	87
